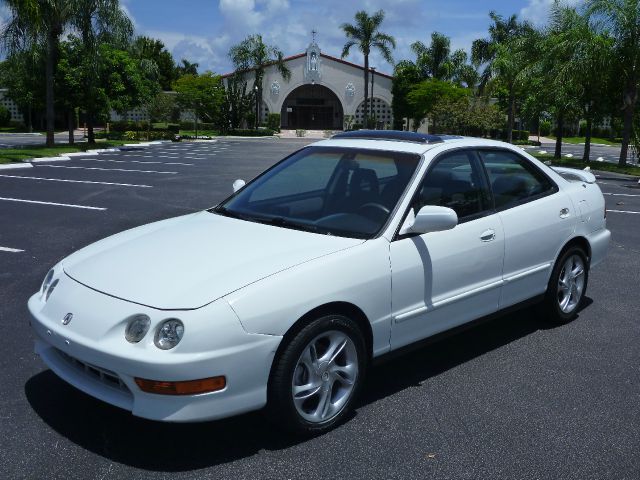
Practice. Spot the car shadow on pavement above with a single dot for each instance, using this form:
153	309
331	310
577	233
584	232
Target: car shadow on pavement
117	435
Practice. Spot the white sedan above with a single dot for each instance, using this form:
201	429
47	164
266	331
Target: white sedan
344	251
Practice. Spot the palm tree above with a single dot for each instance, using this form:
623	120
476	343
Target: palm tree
502	59
34	22
253	54
366	35
622	17
187	68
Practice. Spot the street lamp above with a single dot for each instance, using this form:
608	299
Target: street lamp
373	72
256	91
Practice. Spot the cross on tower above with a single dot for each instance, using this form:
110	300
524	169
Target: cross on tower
314	32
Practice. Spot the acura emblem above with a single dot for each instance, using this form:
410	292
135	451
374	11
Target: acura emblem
67	318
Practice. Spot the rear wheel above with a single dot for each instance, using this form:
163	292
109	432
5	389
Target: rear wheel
317	376
567	286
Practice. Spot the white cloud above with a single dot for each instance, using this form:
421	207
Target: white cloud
537	11
241	13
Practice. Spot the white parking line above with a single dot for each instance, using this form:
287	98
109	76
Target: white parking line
623	211
22	200
621	195
134	161
77	181
107	169
10	250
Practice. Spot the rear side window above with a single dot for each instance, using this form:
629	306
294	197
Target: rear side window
514	180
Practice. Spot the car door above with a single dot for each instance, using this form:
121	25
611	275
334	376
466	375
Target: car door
537	218
443	279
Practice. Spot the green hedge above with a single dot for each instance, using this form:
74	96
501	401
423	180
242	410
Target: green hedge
201	126
250	133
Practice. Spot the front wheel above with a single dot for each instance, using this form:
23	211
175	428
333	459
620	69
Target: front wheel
567	286
317	376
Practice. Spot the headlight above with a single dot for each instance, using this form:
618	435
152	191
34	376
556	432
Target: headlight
50	289
137	328
169	334
46	283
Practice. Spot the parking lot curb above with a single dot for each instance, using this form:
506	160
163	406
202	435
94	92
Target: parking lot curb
59	158
8	166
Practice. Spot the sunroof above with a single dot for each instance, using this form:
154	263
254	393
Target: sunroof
397	135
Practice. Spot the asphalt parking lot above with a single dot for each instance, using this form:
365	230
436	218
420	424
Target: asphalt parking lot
512	398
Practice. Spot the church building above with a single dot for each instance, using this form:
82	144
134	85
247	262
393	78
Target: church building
323	93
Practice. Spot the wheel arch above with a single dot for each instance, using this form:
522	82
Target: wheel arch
346	309
578	241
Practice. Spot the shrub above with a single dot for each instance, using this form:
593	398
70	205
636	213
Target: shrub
300	132
545	128
273	122
524	135
357	126
131	135
5	116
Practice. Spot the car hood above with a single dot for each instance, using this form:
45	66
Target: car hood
187	262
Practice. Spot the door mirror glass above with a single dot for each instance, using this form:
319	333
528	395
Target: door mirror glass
430	218
238	184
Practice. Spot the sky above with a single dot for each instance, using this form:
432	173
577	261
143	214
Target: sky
202	31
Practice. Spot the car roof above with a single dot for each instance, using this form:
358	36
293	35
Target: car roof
422	143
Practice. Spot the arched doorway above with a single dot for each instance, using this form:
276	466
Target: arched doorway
312	107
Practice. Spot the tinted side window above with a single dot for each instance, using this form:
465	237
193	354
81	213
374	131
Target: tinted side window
514	180
455	181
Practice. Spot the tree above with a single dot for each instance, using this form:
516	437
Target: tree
39	22
365	35
237	103
162	108
252	54
186	68
586	60
153	50
622	18
69	83
98	22
405	76
203	95
504	58
22	73
428	95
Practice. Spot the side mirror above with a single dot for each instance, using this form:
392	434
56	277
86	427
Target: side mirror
238	184
430	218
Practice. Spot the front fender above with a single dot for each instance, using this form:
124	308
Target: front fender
360	275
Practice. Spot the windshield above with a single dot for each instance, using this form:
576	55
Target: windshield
338	191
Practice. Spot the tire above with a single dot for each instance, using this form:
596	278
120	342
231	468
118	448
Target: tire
567	286
309	393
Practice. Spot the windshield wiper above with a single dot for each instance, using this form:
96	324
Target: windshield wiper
232	214
283	222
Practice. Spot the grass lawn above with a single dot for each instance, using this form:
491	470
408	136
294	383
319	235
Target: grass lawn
8	155
579	140
602	166
17	130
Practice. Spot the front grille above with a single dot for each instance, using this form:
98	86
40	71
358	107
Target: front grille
106	377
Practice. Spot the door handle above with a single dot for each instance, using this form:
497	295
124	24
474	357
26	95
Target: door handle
564	213
488	235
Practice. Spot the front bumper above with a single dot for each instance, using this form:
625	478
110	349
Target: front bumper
92	354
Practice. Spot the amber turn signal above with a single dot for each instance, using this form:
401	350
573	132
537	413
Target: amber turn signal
189	387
